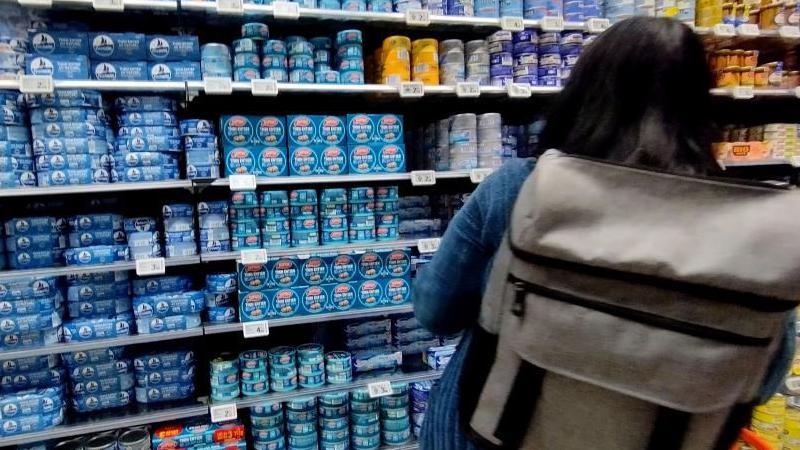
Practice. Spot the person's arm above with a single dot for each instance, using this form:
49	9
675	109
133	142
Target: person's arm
779	367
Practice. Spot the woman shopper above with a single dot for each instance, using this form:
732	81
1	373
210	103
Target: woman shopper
639	96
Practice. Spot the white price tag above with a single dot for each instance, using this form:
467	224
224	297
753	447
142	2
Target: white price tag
150	266
242	182
255	329
793	383
724	30
217	86
253	256
552	23
411	89
36	84
468	89
379	389
478	175
789	31
742	92
517	90
597	25
37	3
286	10
224	413
748	29
428	245
108	5
230	7
423	177
797	92
794	161
418	17
265	88
512	23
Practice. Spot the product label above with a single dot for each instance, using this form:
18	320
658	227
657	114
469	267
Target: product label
272	161
362	159
315	299
285	272
343	296
237	130
286	302
343	268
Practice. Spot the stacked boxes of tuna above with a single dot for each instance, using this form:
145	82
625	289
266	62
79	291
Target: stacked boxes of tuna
100	379
253	377
12	57
247	57
199	434
375	143
179	234
245	220
410	337
33	242
164	376
304	217
96	239
460	8
317	145
224	377
350	56
220	294
99	306
16	155
254	145
30	312
275	224
370	341
212	221
301	59
166	303
415	215
361	214
273	61
200	148
32	397
334	216
59	52
147	152
144	239
294	286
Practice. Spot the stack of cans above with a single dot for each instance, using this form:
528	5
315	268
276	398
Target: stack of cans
102	380
71	138
464	8
339	367
395	419
536	9
224	376
311	365
16	156
255	30
329	4
282	369
273	61
28	295
301	422
253	376
267	425
592	9
275	223
365	425
487	8
33	242
200	148
212	221
147	152
304	215
499	44
526	57
301	60
405	5
478	62
361	203
32	394
245	220
512	140
380	5
143	237
333	203
386	213
501	68
451	62
246	59
441	157
549	60
511	8
574	10
463	136
425	61
215	60
350	56
420	391
490	141
571	46
164	376
220	294
395	60
179	230
97	295
323	58
12	57
354	5
334	421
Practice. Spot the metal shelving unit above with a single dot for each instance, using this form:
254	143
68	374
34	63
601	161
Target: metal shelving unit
398	243
95	188
117	266
336	179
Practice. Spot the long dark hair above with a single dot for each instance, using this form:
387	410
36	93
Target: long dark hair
638	95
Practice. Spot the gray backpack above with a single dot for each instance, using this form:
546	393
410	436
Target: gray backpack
634	309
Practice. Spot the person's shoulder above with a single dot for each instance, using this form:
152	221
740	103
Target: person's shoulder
508	179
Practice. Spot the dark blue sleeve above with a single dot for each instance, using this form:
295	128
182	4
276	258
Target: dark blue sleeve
783	360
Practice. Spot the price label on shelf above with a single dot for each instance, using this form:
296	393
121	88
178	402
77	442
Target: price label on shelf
230	7
255	329
253	256
468	89
517	90
794	161
36	3
742	92
512	23
597	25
217	85
797	92
286	10
428	245
793	383
264	88
478	175
788	31
411	89
242	182
150	266
379	389
36	84
418	17
552	23
108	5
748	29
423	177
724	30
224	413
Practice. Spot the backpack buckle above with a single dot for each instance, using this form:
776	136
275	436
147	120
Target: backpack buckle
518	307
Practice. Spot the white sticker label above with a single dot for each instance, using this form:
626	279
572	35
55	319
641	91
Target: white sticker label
552	23
108	5
748	29
230	7
418	17
265	88
242	182
597	25
224	413
423	177
286	10
742	92
150	266
253	256
724	30
793	383
36	84
478	175
255	329
512	23
788	31
37	3
379	389
411	89
517	90
428	245
468	89
217	85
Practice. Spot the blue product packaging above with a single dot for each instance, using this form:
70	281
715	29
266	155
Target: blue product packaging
32	402
66	98
301	76
28	364
326	76
88	403
388	128
72	177
34	242
304	160
270	130
271	162
139	103
97	328
12	116
158	377
247	60
175	71
237	130
167	392
305	130
70	146
363	159
91	292
221	314
163	305
397	291
246	74
172	48
14	133
117	47
152	134
351	77
256	306
119	70
156	173
279	75
49	114
20	149
163	360
95	222
44	42
197	127
60	67
30	322
141	159
72	162
168	323
28	424
35	379
27	287
101	385
361	129
98	254
241	160
131	224
32	339
147	119
274	62
98	308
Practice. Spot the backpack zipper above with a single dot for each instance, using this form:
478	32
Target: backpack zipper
522	288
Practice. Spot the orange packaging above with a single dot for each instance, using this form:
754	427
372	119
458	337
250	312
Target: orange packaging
728	77
746	76
749	58
760	77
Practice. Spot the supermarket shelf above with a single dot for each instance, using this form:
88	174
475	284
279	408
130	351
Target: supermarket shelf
119	419
330	179
118	266
727	92
397	243
355	314
409	446
245	402
142	5
94	188
755	163
110	86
